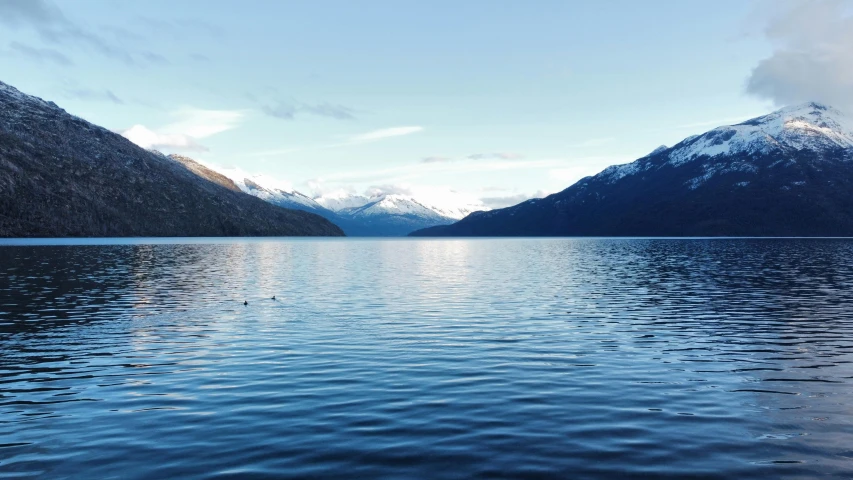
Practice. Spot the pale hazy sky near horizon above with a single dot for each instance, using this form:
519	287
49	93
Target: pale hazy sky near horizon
498	100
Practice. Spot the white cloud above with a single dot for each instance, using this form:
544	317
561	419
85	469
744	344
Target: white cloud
201	123
368	137
812	58
453	202
385	133
289	110
376	190
190	125
148	139
319	188
436	159
475	156
510	200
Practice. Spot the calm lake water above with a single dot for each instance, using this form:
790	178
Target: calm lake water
571	358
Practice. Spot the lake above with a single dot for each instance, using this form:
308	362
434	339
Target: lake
404	358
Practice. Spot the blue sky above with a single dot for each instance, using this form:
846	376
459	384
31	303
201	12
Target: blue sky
495	99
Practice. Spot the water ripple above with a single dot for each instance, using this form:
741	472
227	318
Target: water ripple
581	358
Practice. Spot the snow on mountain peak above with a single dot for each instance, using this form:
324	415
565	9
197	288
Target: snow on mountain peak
13	93
811	125
419	201
432	204
341	199
267	188
658	150
805	126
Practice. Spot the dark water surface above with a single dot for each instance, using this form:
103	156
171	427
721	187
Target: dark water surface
571	358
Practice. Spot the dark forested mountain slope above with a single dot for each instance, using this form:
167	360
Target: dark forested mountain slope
789	173
62	176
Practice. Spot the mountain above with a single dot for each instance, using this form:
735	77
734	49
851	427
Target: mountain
789	173
397	214
340	200
272	191
357	215
61	176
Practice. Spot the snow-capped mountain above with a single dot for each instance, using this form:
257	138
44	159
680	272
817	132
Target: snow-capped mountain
786	173
272	190
426	208
398	214
394	204
810	126
61	176
341	199
361	215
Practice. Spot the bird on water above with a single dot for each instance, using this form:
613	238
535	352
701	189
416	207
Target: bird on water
245	302
273	297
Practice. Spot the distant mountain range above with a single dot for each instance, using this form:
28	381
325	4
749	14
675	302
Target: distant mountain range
789	173
61	176
358	215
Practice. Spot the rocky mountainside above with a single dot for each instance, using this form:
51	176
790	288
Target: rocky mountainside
789	173
205	172
61	176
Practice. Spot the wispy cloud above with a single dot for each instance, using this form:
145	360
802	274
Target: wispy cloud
202	123
284	111
368	137
704	125
180	29
716	123
190	125
53	27
385	133
510	200
41	54
495	156
154	58
436	159
149	139
17	13
389	189
122	34
90	94
474	156
561	172
290	110
413	171
330	110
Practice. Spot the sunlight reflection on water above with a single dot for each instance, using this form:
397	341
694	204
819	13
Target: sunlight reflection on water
427	358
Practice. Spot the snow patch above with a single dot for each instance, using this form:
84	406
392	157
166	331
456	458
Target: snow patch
806	126
715	169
